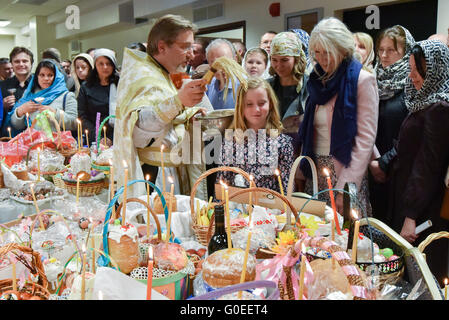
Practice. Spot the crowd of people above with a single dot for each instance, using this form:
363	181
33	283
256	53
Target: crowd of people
374	113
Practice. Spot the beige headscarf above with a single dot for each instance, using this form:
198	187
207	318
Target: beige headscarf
73	70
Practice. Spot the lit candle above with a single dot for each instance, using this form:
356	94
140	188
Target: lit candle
245	260
356	236
38	164
83	275
331	195
150	272
125	165
445	289
81	133
105	141
87	137
78	134
170	207
36	206
278	173
228	217
162	167
100	295
78	178
9	131
302	271
111	186
148	210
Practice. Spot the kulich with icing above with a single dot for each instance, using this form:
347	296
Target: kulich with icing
123	246
224	267
170	256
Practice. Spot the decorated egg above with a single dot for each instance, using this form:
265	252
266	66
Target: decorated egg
393	257
386	252
83	223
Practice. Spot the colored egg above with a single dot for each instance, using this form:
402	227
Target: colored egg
393	257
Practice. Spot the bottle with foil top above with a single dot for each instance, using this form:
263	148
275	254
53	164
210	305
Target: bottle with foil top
219	240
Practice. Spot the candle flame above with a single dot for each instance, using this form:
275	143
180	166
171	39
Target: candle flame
221	182
9	128
100	295
125	165
83	248
445	281
170	179
251	177
11	237
86	131
303	248
354	214
147	177
162	147
326	172
150	252
277	172
78	120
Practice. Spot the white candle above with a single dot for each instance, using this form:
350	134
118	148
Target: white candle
162	167
356	236
147	177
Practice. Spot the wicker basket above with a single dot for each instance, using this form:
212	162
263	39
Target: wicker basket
94	165
86	188
36	268
43	173
200	231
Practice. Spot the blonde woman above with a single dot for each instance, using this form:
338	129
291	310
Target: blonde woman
255	143
364	46
81	67
340	120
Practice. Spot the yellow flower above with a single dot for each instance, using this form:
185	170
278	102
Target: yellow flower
311	225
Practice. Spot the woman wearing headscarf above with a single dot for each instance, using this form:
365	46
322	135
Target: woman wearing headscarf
81	66
422	159
340	120
47	83
255	62
393	48
288	64
304	37
98	94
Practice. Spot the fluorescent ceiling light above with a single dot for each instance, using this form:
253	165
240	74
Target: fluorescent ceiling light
4	23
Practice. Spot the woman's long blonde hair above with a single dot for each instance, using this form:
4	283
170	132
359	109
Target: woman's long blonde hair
273	118
368	42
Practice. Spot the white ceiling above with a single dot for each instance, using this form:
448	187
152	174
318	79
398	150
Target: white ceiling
20	11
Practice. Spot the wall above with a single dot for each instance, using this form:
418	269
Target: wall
6	44
443	17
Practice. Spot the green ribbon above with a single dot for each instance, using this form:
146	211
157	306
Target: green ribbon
44	124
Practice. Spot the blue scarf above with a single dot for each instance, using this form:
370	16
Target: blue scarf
57	88
344	119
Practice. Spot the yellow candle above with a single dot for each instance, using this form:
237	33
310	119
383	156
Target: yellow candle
278	173
125	192
250	209
14	276
111	186
445	289
92	244
83	275
301	273
81	134
354	241
222	190
228	218
38	165
170	204
245	260
105	141
148	210
198	212
9	131
162	167
36	206
62	119
78	133
87	137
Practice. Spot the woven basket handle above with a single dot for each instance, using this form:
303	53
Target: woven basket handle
431	237
240	287
255	189
291	180
58	129
159	236
99	132
38	144
35	260
351	270
203	176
